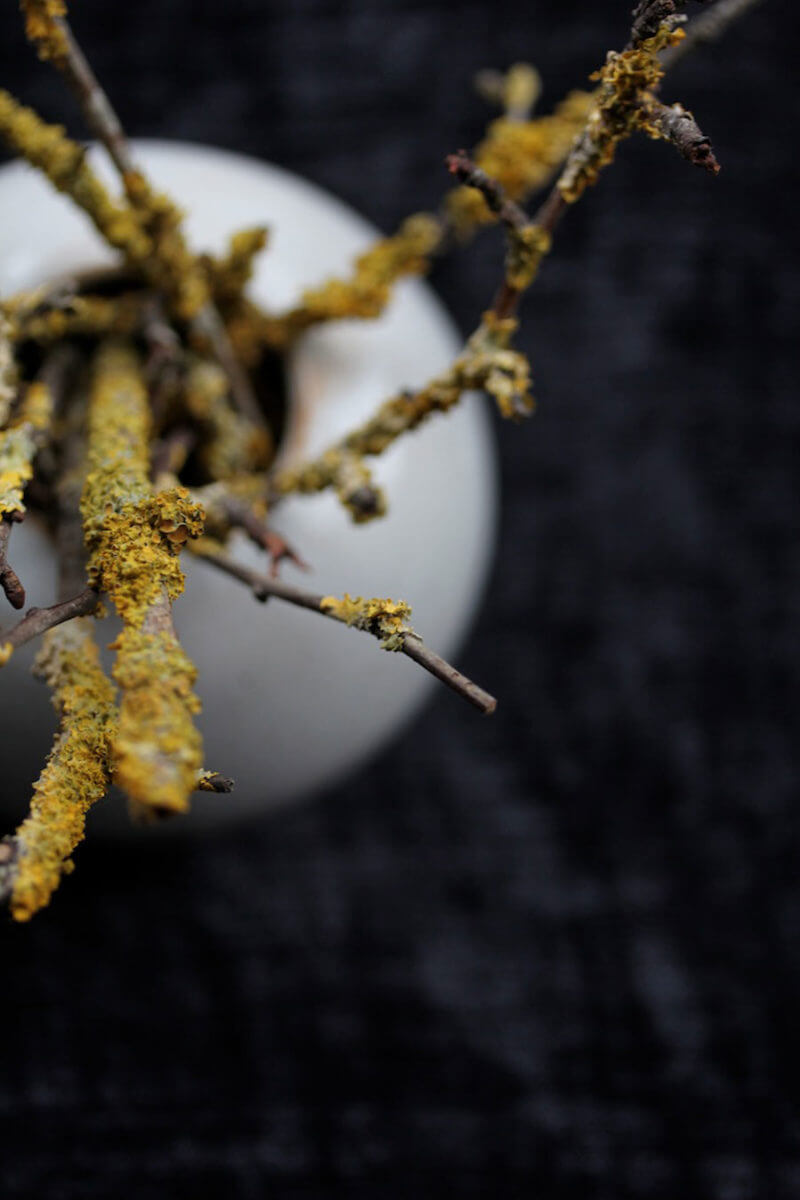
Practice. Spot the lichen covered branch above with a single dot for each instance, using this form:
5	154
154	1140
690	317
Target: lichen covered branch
76	774
134	537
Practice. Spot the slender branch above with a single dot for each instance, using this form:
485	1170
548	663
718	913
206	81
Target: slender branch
707	28
410	644
679	127
465	170
105	124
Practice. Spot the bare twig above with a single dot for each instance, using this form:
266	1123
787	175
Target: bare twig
410	644
9	580
679	127
507	211
241	515
707	28
38	620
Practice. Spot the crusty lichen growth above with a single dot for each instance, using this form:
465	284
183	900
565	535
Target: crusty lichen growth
158	750
81	316
43	28
230	274
231	443
8	368
487	363
625	81
386	620
521	156
134	538
76	774
19	445
147	230
367	291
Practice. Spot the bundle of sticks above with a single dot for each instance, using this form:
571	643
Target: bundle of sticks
140	410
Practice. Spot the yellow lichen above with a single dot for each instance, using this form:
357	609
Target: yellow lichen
147	230
8	368
19	444
487	363
526	249
625	80
366	292
134	538
521	156
6	650
157	749
42	27
171	267
63	161
384	619
231	444
76	774
82	316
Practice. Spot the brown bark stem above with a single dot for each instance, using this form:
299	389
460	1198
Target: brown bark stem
262	587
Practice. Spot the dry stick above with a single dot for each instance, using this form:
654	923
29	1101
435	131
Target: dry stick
262	587
105	124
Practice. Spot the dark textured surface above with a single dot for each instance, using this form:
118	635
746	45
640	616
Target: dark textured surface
555	953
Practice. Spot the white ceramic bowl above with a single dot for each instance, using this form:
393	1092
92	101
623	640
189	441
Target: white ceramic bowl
291	701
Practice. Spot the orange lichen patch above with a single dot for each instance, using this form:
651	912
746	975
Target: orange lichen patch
230	274
6	650
521	156
625	81
232	444
384	619
367	291
158	751
19	444
76	774
134	538
42	27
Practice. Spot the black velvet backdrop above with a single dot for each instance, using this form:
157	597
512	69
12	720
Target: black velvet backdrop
555	953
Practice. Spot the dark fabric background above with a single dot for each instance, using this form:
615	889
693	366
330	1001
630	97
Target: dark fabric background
555	953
